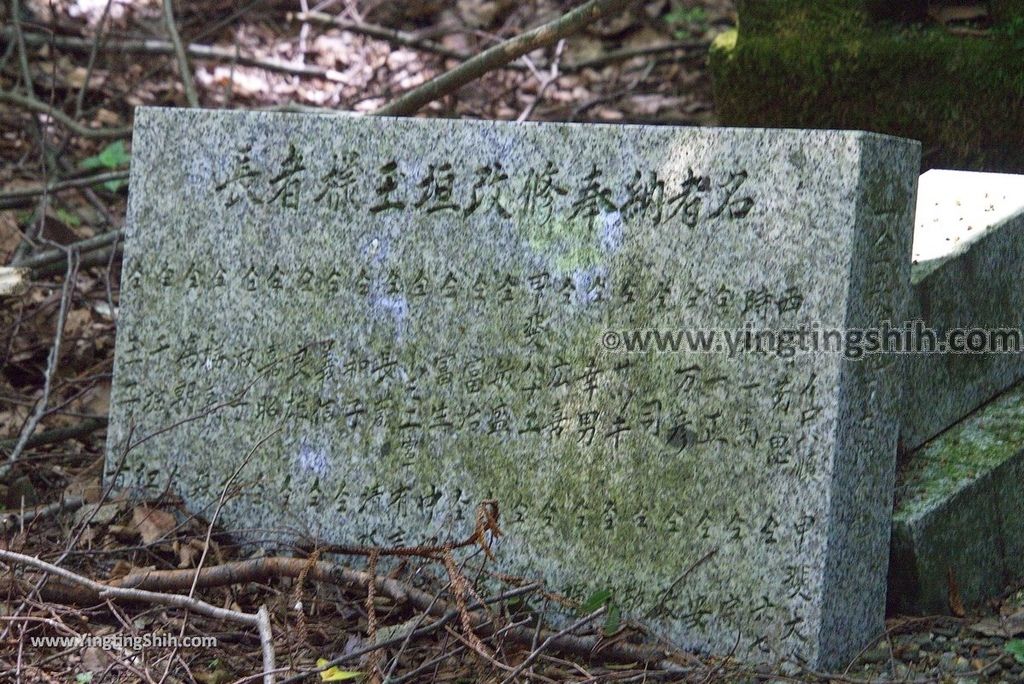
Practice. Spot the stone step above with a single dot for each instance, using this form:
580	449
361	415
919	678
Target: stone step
968	255
958	525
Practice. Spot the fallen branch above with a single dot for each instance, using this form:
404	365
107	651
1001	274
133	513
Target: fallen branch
261	620
67	293
22	198
193	50
34	105
54	256
586	620
100	257
411	40
402	38
415	633
11	520
545	82
698	46
184	71
86	427
263	569
501	54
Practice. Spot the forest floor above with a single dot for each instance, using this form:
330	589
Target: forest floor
71	73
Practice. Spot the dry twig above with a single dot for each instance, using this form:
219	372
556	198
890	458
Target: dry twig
184	71
34	105
22	198
586	620
51	365
402	38
501	54
83	246
153	46
262	569
261	620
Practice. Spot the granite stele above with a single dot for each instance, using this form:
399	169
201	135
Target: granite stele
395	320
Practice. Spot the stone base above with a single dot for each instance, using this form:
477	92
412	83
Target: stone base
958	520
968	256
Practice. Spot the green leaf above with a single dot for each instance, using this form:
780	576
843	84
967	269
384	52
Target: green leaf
612	620
596	600
68	218
684	15
113	156
1016	649
83	677
114	185
333	674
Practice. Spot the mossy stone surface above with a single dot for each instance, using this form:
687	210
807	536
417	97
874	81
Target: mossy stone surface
794	17
958	520
385	322
833	65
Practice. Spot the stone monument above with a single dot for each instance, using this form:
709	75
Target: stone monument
388	321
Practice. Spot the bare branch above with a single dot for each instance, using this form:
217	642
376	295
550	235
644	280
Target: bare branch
194	50
34	105
501	54
261	620
86	427
11	520
179	51
51	365
402	38
586	620
23	198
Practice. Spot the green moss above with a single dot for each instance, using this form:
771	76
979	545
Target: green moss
798	17
790	17
962	455
909	83
1005	11
570	244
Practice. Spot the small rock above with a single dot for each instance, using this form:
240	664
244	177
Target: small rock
876	654
911	651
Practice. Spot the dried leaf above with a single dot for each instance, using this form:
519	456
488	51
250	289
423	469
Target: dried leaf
186	555
108	118
121	568
10	234
152	524
98	401
76	323
956	603
76	78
